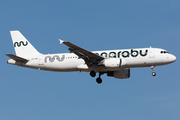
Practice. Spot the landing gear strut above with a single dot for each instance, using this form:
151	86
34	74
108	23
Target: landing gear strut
153	73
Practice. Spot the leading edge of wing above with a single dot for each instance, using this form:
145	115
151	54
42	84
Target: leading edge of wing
80	51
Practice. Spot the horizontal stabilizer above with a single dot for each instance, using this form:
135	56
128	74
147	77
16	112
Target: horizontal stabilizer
16	58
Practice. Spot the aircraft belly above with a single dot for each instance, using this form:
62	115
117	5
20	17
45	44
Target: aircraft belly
63	66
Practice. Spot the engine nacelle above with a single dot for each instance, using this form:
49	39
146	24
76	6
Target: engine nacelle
120	74
114	63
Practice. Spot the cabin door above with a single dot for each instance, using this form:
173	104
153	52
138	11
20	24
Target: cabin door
41	61
152	53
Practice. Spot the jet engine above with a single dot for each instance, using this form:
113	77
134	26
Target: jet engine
120	74
114	63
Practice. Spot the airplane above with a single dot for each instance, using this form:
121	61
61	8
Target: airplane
114	63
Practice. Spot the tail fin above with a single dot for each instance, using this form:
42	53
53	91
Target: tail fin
22	46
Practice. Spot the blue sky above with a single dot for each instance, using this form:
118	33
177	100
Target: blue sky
94	25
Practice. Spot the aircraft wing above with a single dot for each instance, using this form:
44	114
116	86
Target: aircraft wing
86	55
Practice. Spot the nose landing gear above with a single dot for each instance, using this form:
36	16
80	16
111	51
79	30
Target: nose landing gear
153	73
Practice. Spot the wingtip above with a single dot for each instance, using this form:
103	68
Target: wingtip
61	41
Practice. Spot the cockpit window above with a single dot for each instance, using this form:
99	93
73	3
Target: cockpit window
164	52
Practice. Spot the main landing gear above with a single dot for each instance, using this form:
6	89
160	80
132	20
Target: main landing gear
92	73
153	73
98	80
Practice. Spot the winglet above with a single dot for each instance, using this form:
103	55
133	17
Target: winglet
61	41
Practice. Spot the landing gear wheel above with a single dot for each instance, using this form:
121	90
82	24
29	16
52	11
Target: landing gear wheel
99	80
92	73
153	74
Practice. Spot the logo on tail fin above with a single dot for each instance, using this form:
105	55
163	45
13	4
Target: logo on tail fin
19	44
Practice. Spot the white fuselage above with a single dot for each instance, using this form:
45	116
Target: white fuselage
66	62
115	63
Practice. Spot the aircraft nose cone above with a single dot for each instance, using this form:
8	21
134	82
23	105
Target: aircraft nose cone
170	59
173	58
